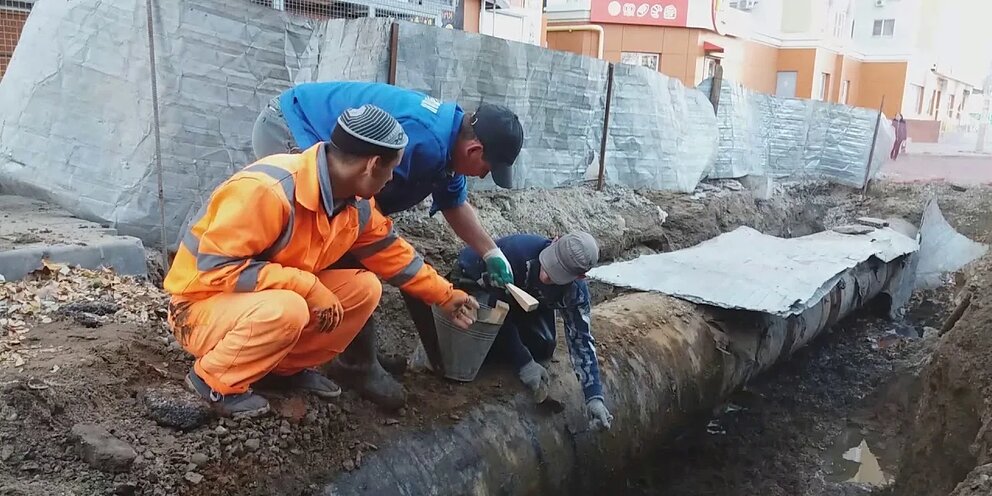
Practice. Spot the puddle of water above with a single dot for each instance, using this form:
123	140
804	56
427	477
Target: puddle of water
869	470
851	459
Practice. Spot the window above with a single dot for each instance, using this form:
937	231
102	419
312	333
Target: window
845	88
711	63
824	86
883	27
933	99
950	107
919	98
649	60
785	84
840	22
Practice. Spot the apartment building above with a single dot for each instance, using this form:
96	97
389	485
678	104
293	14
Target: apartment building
921	55
13	15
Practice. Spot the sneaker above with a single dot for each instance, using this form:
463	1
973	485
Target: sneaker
308	380
244	405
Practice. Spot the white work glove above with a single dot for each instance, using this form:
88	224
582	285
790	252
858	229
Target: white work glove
599	416
537	379
498	268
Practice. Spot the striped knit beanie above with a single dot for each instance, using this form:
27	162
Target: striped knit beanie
368	130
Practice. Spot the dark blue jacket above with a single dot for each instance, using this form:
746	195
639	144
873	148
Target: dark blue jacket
312	109
571	300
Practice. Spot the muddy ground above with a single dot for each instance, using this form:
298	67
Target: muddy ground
950	444
61	368
787	432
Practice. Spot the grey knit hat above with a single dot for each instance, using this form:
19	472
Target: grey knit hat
368	130
569	257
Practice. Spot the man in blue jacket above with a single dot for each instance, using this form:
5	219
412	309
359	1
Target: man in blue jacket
445	145
553	272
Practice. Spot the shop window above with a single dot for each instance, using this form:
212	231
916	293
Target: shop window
711	63
649	60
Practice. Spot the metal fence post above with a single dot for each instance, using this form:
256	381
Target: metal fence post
394	43
871	152
149	4
716	88
606	128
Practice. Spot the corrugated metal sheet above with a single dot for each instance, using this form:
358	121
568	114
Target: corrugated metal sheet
745	269
942	249
794	138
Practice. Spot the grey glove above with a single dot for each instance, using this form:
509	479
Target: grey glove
599	416
537	379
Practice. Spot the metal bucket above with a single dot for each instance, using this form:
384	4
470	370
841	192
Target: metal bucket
463	351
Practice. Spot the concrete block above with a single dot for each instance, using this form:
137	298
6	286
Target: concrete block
31	230
124	254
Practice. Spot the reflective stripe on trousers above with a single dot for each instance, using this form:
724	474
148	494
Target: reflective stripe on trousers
238	338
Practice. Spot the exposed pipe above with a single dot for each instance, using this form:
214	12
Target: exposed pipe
601	35
665	362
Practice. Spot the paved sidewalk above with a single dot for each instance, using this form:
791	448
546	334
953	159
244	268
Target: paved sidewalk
953	145
32	231
962	170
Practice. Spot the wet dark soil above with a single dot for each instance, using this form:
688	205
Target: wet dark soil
774	438
862	381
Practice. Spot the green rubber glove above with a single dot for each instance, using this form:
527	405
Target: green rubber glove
498	268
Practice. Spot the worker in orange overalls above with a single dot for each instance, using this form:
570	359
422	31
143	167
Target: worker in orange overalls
251	297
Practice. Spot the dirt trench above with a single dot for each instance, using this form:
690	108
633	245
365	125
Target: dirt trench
72	373
950	445
784	434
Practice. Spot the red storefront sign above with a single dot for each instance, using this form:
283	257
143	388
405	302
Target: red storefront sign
646	12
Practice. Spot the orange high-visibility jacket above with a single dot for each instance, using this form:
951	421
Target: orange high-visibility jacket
268	227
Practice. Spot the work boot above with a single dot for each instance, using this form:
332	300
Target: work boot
307	380
359	368
393	363
244	405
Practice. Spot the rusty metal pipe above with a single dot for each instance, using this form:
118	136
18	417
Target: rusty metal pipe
665	362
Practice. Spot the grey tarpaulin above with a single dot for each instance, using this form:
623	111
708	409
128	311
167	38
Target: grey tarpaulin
662	135
764	274
942	249
560	97
342	50
75	104
794	138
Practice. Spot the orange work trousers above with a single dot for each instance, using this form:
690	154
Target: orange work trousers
238	338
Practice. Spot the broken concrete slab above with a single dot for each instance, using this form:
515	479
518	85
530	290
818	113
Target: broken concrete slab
745	269
101	450
32	231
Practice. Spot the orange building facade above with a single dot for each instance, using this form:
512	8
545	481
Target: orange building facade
813	51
